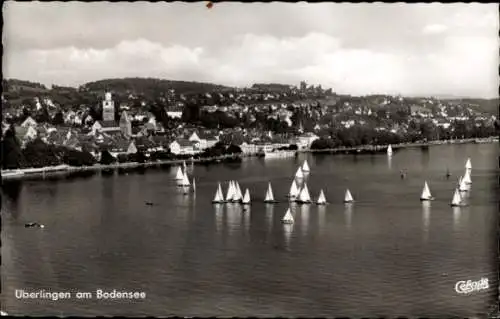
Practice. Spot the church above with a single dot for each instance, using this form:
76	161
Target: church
108	114
109	124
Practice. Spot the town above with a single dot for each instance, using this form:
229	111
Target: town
140	120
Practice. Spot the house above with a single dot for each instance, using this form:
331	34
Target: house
304	141
132	149
182	146
31	133
152	123
248	148
88	119
125	125
174	115
29	121
96	127
194	137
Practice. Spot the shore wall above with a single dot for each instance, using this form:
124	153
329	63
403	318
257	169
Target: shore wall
42	173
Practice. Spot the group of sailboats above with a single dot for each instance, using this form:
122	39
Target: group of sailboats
302	171
233	194
183	179
463	186
301	195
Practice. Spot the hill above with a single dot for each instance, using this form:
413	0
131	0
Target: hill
484	105
150	86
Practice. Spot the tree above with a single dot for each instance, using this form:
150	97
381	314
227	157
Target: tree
42	116
58	118
233	149
78	158
138	157
122	158
191	112
107	158
12	156
38	154
322	143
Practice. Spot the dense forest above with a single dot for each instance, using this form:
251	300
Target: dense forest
150	86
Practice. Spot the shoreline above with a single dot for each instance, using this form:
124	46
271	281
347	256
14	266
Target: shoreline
381	148
51	171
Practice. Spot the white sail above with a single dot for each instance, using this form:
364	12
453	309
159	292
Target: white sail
348	197
426	193
468	164
180	175
269	194
221	194
288	218
294	190
463	187
467	179
299	174
389	150
230	191
239	193
185	180
321	198
246	198
194	185
237	196
304	196
457	199
218	195
305	166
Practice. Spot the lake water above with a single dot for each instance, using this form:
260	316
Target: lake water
388	254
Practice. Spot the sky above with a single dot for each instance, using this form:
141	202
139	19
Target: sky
408	49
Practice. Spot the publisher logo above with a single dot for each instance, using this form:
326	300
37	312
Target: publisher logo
469	286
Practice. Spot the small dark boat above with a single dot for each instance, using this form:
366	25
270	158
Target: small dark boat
34	224
149	203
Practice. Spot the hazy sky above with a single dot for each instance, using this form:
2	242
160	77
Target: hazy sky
426	49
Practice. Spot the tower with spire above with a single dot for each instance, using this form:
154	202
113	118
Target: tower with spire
108	110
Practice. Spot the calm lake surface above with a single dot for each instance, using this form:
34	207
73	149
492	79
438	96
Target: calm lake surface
385	255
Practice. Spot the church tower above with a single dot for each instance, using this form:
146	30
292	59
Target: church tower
108	110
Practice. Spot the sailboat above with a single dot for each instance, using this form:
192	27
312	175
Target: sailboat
288	218
240	193
180	174
184	165
304	197
321	198
269	195
348	197
305	167
294	191
468	164
462	185
194	185
237	196
230	192
299	174
426	193
457	199
185	181
246	198
219	198
389	150
467	179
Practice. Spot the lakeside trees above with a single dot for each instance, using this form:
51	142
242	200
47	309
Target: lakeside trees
12	156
